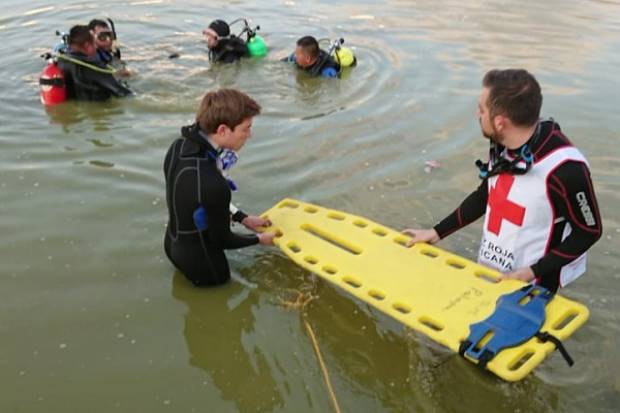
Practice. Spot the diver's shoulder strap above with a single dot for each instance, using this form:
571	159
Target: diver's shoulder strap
107	70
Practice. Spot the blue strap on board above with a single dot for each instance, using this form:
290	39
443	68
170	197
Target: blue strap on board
518	317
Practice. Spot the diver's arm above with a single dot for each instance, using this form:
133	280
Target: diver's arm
236	214
251	222
108	82
573	199
217	206
472	208
290	58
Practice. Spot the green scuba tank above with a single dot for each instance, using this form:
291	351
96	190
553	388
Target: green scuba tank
257	46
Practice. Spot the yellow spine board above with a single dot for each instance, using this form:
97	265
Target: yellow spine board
424	287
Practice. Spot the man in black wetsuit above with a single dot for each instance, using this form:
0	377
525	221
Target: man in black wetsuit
198	192
541	213
87	78
309	57
222	46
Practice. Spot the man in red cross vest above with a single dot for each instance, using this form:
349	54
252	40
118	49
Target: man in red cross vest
536	195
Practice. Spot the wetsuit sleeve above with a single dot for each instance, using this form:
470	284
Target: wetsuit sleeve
107	81
216	200
290	58
573	199
237	214
472	208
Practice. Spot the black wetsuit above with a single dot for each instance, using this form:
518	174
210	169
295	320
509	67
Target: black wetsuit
194	180
323	62
84	83
229	50
563	185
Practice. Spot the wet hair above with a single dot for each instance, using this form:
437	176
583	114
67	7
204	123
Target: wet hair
513	93
97	23
80	34
309	45
225	106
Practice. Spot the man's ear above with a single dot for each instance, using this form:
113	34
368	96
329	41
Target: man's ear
222	129
500	122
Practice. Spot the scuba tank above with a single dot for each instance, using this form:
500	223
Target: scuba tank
342	55
52	86
255	43
257	46
53	89
345	57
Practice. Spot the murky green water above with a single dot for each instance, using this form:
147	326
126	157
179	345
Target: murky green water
93	317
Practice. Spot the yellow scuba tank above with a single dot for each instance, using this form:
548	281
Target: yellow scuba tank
344	57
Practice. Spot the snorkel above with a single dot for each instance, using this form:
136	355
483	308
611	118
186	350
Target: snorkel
255	43
115	50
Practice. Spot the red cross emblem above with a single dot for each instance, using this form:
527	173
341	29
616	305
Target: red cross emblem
501	208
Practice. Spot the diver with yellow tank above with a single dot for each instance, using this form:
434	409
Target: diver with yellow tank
309	57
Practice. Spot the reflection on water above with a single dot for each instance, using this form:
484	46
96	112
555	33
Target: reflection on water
82	215
100	116
216	344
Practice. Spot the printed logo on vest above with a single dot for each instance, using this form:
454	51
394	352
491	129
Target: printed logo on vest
495	256
585	209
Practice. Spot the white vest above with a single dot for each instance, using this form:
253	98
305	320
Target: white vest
519	218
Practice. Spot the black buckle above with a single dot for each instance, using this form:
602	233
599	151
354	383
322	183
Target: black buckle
545	336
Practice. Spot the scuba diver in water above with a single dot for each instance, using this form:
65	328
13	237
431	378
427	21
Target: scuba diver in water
104	40
85	78
225	47
107	51
309	57
198	191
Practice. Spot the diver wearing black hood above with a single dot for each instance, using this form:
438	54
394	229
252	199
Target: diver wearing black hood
223	47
